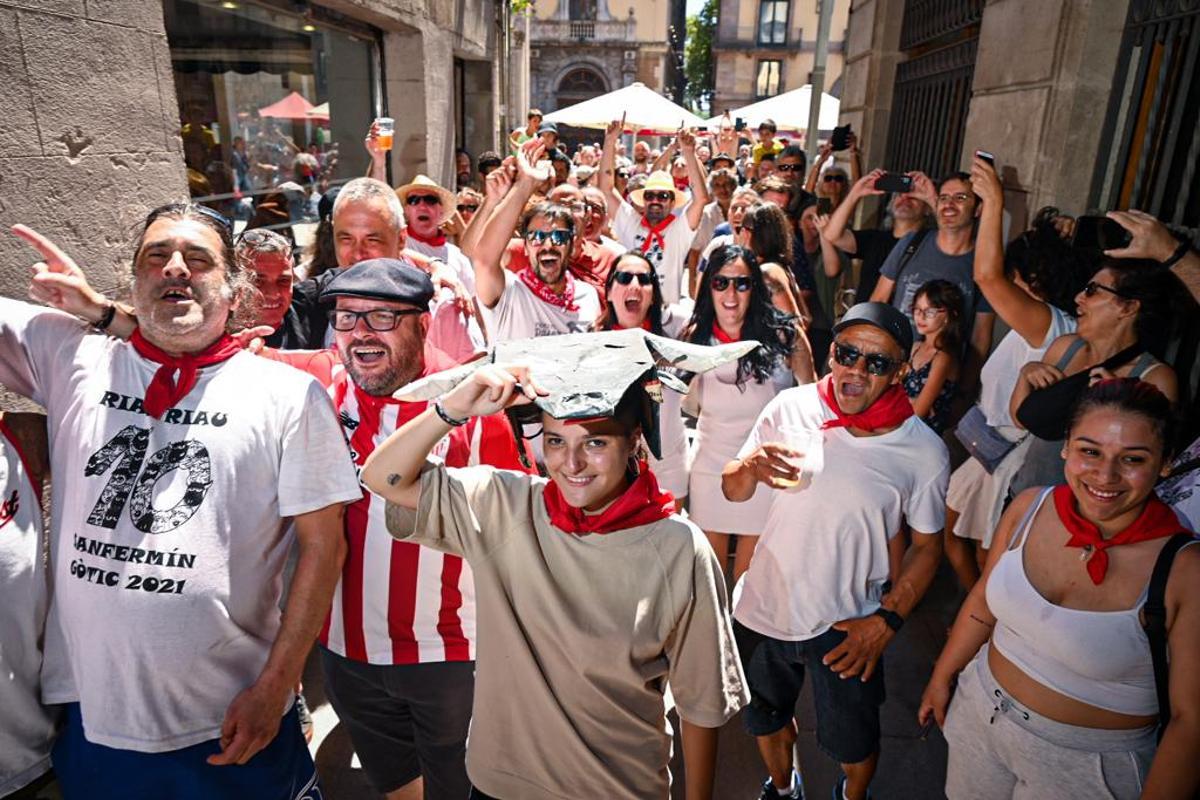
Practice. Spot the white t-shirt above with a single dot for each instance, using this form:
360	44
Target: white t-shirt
521	314
450	330
27	728
670	261
823	555
709	220
169	536
999	374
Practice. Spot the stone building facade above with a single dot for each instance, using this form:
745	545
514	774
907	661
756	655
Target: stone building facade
584	48
105	99
767	47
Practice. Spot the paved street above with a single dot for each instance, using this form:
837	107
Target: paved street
910	769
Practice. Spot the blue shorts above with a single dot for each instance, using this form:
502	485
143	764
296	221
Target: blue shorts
847	710
283	770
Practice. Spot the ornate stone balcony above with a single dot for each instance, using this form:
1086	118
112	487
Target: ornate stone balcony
583	31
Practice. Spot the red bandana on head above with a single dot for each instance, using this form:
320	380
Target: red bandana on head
165	390
437	240
655	233
565	301
1156	521
891	409
641	504
723	337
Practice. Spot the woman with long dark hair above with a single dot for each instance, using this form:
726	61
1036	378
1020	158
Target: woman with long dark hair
733	304
766	231
633	299
1057	691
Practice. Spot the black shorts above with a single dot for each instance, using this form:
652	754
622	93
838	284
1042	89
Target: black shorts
406	721
847	710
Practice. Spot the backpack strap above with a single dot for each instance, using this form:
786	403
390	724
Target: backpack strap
1073	348
910	249
1155	612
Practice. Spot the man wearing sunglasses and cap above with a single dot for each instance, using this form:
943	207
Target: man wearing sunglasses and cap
657	232
544	298
850	464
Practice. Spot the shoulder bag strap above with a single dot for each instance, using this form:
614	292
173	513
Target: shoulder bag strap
910	249
1069	353
1155	612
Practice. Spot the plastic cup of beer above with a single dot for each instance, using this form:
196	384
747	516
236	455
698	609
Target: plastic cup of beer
794	459
387	127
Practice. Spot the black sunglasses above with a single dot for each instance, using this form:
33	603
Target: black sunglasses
378	319
183	208
832	178
625	278
1093	287
558	236
427	199
662	197
789	167
465	207
877	363
721	282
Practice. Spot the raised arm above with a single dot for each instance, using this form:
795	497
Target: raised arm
1152	240
495	187
608	165
663	162
837	231
1022	312
696	177
489	275
377	168
810	183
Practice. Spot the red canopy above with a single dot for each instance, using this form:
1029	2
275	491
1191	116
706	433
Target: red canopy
294	106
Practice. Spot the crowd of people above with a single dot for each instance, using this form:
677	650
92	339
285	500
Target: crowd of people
586	438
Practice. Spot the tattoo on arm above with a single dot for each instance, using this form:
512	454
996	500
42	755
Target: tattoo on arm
982	622
393	479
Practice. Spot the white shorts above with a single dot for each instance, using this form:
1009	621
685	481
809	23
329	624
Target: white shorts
979	497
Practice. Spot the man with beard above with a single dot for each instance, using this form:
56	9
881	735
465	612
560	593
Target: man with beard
544	298
398	648
181	465
948	255
850	463
873	245
589	261
657	233
642	163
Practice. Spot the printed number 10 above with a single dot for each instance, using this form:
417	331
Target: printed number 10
124	454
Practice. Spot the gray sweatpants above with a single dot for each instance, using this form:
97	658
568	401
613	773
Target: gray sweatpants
1000	750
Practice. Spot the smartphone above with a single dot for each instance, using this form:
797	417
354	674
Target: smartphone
840	139
986	156
739	124
1100	233
894	182
824	206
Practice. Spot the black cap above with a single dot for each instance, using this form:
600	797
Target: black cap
393	279
883	316
548	127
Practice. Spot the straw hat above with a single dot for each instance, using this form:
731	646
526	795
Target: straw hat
426	185
659	182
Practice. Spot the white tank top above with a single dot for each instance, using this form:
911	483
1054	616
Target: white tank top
1101	658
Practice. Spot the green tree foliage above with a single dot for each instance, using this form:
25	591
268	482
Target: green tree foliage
699	67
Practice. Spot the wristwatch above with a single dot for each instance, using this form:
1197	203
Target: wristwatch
893	620
1182	250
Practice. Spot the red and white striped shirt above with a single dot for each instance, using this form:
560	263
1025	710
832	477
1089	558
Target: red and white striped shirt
399	602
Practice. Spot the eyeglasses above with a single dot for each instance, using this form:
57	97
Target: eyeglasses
928	313
831	178
1093	287
185	208
721	282
558	236
596	208
378	319
427	199
877	363
957	197
625	278
789	167
661	197
465	207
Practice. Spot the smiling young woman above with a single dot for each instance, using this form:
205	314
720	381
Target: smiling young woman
1057	682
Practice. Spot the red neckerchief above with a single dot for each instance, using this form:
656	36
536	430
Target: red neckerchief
164	390
681	184
437	240
656	233
565	301
891	409
642	504
1156	521
644	326
723	337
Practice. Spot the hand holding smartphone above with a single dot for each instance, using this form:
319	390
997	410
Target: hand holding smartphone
896	182
1100	234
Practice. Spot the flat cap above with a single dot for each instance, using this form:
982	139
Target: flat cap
884	316
397	280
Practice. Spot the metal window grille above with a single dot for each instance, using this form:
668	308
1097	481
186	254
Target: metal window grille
929	109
